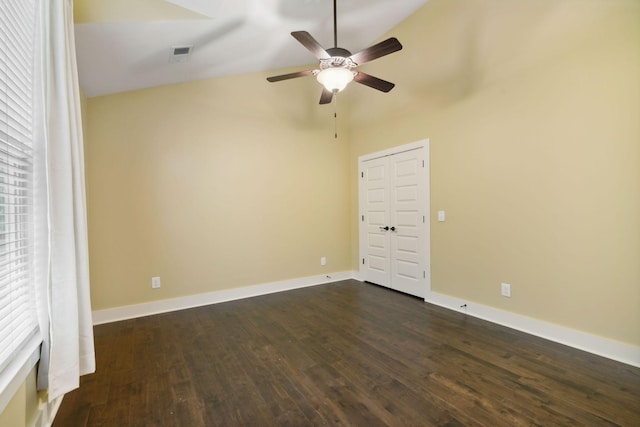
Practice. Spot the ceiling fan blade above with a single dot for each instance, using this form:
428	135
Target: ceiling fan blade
326	96
373	82
290	76
376	51
310	43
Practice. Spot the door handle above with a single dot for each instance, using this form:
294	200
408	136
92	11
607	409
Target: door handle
393	229
384	228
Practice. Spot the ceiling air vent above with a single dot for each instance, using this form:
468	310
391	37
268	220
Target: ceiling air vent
180	54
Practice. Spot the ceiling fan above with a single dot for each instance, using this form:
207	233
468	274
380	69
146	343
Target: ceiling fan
337	66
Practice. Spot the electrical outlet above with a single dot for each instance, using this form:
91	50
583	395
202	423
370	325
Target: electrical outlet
323	261
505	290
155	282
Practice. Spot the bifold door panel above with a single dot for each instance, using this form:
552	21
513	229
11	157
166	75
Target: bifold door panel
376	217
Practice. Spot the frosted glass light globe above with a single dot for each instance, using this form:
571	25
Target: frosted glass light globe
335	79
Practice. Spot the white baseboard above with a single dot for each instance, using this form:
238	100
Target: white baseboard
601	346
191	301
47	413
357	275
611	349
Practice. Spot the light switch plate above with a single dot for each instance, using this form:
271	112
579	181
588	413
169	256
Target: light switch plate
155	282
505	290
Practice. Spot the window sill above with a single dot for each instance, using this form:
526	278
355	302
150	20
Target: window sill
16	372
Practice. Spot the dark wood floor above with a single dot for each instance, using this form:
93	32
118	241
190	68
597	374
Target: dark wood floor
342	354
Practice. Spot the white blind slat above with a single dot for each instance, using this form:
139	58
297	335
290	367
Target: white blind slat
18	321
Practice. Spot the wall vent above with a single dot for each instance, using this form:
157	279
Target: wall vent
180	54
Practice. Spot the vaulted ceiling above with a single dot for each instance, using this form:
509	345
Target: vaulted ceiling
126	45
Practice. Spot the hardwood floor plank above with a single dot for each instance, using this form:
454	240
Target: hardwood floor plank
342	354
538	377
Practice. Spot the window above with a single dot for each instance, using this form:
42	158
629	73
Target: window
18	318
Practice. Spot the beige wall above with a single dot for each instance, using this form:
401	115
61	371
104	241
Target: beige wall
213	185
533	113
23	409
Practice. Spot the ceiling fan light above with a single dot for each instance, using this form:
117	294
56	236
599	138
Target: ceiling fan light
335	79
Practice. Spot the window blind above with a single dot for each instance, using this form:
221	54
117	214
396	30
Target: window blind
18	317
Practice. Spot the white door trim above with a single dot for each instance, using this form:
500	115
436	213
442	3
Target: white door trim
424	144
395	150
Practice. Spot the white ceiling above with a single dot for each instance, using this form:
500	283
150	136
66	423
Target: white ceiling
236	37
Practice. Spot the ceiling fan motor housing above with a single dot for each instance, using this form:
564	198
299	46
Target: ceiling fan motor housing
338	51
337	62
339	58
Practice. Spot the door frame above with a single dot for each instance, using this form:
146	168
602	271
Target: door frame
424	144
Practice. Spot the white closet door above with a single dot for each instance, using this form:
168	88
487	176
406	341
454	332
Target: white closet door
408	229
376	264
394	233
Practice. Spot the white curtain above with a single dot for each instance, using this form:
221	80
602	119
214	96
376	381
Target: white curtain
68	350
